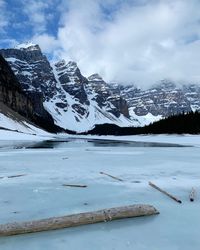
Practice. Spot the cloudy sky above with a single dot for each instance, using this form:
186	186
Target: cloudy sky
130	41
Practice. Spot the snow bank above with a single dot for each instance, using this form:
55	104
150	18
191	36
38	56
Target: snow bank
6	135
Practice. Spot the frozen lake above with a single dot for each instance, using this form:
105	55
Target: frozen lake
48	165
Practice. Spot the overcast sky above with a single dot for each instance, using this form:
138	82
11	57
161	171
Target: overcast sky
129	41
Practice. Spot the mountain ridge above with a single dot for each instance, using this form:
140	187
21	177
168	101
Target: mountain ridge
78	103
69	97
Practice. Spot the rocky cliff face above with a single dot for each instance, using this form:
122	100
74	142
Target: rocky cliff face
34	73
163	99
73	101
10	92
13	96
107	98
71	80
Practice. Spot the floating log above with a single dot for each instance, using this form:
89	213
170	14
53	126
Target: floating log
74	185
12	176
164	192
116	178
192	194
77	219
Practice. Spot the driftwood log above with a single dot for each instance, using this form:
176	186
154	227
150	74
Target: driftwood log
77	219
12	176
74	185
111	176
164	192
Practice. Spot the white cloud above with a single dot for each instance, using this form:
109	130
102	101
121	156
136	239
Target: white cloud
47	43
35	11
140	41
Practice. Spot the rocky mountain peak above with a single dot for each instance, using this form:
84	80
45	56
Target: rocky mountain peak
165	84
95	78
72	65
29	46
72	68
60	64
69	73
32	69
23	52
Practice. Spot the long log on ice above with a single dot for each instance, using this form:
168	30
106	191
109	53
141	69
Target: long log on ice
77	219
12	176
111	176
164	192
74	185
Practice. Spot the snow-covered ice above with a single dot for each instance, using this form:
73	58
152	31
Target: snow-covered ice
47	165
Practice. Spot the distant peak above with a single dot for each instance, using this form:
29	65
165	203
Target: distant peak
72	64
27	46
95	77
60	63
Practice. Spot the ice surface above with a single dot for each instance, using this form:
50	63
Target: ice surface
48	165
184	139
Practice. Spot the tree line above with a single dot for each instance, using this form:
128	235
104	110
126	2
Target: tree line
188	123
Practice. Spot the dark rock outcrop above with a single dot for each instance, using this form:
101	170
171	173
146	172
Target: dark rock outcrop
106	97
72	80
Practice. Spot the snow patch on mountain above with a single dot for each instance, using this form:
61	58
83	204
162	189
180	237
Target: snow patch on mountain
144	120
28	45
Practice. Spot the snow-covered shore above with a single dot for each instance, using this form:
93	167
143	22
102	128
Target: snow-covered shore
8	135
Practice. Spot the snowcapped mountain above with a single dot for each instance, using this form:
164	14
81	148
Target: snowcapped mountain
75	102
60	93
163	99
77	106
